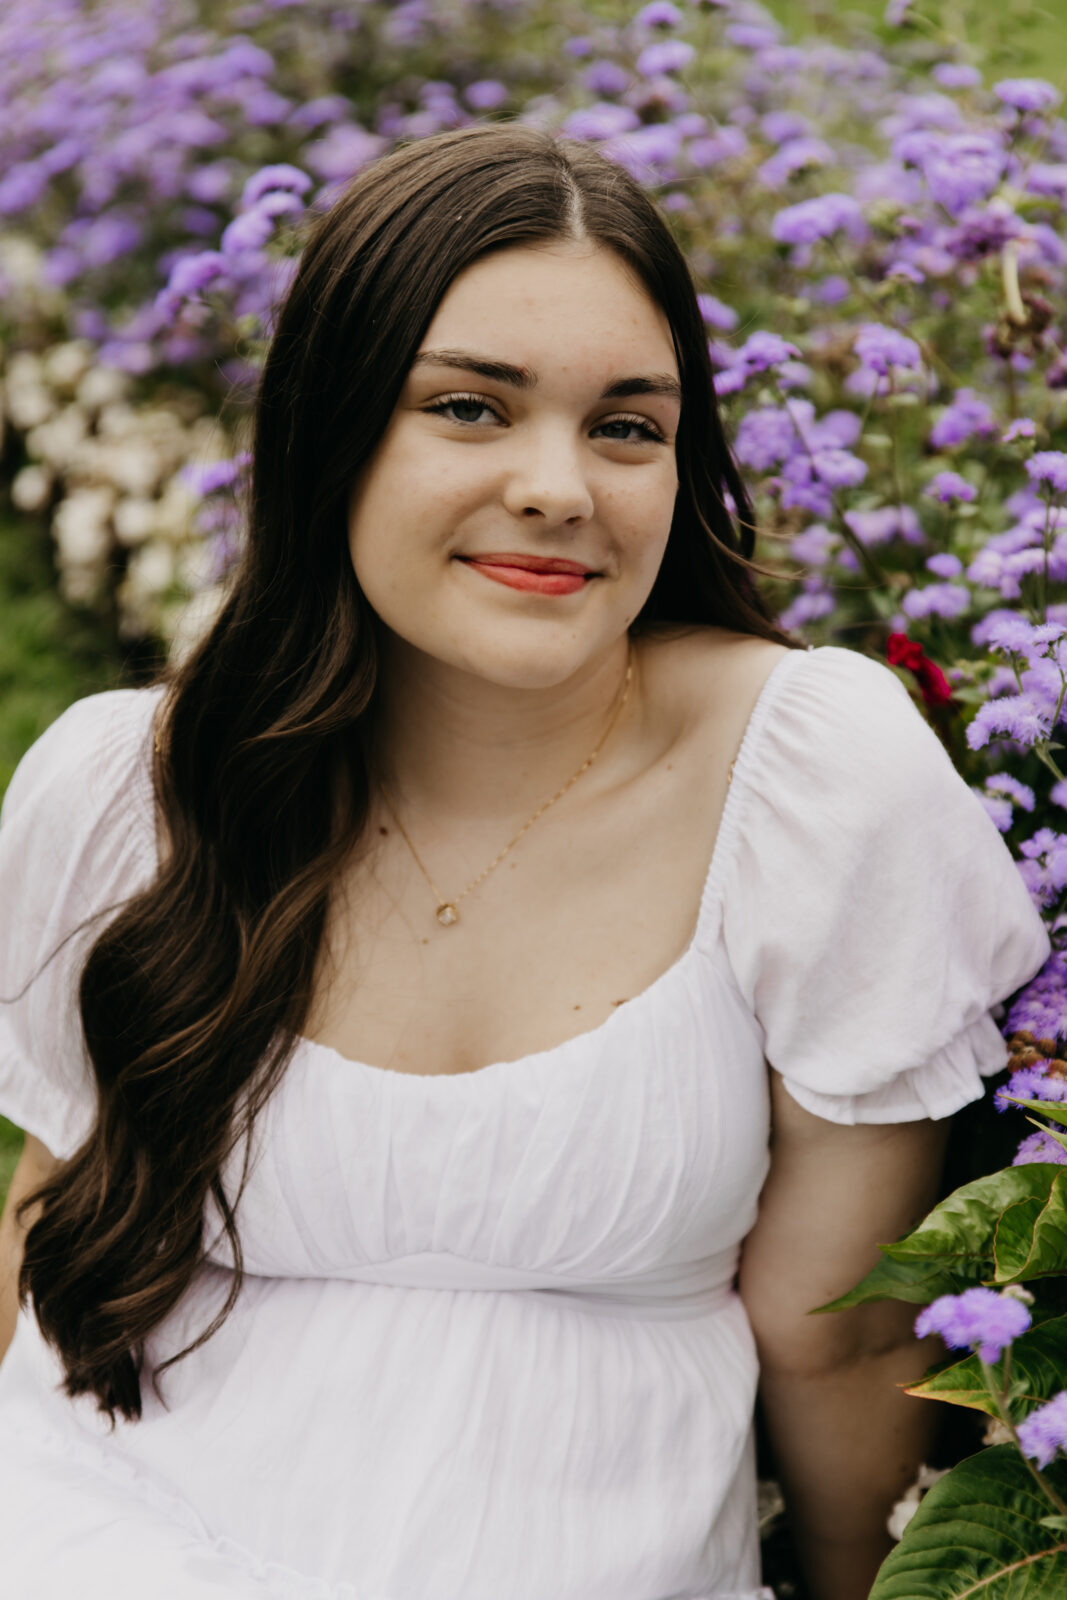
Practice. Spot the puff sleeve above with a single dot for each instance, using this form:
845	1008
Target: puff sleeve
77	838
872	914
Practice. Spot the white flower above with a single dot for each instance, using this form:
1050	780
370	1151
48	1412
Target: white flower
56	441
150	572
136	519
66	364
907	1506
31	488
102	386
81	527
187	625
29	400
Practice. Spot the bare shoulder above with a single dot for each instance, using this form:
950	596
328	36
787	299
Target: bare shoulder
707	676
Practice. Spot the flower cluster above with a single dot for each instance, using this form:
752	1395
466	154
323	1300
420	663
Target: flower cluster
977	1319
1044	1431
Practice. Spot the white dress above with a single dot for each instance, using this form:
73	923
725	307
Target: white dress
489	1347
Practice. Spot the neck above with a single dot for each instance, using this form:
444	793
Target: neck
445	739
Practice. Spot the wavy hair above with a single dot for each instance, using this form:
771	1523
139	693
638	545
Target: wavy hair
260	774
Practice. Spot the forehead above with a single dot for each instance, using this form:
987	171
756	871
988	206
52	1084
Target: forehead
534	302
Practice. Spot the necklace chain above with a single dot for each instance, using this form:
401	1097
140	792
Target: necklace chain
446	912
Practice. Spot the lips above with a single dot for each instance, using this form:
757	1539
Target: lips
545	575
530	563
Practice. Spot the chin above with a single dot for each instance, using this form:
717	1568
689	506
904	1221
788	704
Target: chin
539	661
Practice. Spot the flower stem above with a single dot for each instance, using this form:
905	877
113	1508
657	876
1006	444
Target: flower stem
999	1395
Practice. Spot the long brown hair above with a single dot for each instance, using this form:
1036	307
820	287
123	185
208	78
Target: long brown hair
260	775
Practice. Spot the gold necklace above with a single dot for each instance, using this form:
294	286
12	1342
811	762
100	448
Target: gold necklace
446	912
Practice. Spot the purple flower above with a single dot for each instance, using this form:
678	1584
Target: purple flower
962	168
1030	1083
977	1319
1005	630
715	314
832	290
659	14
1044	1431
884	523
1049	467
762	350
956	75
1039	1146
949	486
819	218
880	348
1004	783
1041	1009
485	94
838	469
806	608
671	55
937	600
267	179
996	807
1021	428
814	545
752	36
1026	94
965	417
945	564
766	436
1017	715
215	475
794	156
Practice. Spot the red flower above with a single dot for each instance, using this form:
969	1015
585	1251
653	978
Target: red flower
904	652
936	689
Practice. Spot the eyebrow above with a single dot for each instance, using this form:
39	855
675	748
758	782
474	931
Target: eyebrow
526	378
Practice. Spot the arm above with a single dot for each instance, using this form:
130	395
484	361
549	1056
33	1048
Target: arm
35	1165
847	1442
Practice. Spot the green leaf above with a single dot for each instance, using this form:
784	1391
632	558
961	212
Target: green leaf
915	1282
952	1249
965	1223
1031	1238
1060	1138
1054	1110
1038	1363
1059	1523
979	1534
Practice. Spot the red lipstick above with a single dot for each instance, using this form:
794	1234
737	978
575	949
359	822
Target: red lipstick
534	574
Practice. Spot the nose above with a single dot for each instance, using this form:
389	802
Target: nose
548	478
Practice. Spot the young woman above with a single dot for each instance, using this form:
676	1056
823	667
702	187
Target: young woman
417	999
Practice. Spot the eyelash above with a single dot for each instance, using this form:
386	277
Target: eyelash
651	432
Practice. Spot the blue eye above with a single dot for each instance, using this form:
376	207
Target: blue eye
650	433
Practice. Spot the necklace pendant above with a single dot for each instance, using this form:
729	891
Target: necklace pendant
447	914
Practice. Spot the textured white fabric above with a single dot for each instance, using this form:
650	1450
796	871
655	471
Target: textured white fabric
489	1345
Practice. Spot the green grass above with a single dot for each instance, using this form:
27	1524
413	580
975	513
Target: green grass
50	655
1022	38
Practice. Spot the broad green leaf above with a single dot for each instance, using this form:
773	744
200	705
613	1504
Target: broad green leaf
1054	1110
915	1282
1038	1368
1031	1239
978	1535
964	1224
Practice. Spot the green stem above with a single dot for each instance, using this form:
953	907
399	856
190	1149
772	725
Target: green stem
999	1397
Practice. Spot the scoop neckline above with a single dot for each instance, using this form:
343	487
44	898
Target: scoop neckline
723	844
